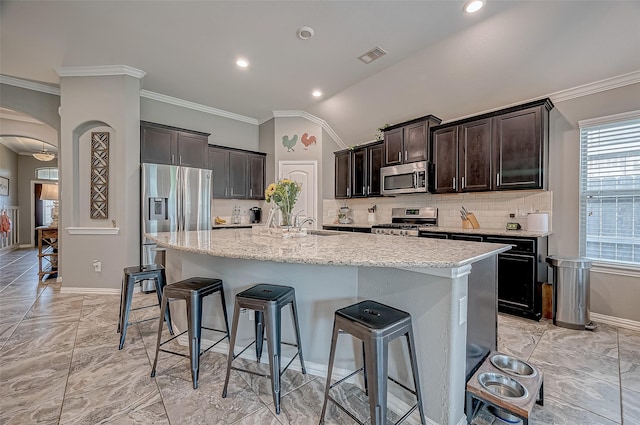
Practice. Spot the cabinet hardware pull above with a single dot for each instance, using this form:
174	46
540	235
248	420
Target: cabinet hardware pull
364	190
463	183
173	159
454	182
250	193
498	179
405	156
368	190
399	156
348	192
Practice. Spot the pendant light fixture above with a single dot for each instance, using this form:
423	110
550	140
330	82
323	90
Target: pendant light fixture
44	155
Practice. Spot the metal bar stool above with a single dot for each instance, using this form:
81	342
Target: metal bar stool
267	301
192	291
132	276
376	325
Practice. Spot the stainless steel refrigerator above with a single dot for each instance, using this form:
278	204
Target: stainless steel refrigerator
174	199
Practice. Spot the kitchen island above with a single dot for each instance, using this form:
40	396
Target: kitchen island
428	278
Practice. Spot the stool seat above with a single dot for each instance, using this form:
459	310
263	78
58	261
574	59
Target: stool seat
376	325
375	316
267	301
132	276
192	291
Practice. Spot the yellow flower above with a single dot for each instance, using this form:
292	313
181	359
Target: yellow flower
285	181
270	191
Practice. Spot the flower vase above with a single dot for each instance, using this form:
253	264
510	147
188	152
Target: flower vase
286	219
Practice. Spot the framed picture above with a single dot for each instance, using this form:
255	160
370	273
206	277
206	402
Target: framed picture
4	186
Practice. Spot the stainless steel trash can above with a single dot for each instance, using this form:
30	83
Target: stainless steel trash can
571	300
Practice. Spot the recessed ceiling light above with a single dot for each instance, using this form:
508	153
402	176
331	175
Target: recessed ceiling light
242	63
471	6
305	33
316	93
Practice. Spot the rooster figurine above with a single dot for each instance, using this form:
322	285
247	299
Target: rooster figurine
308	141
289	143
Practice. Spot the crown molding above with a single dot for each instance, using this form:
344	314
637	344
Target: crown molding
30	85
99	71
196	106
596	87
302	114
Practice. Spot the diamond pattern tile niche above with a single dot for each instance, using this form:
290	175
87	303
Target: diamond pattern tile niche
99	175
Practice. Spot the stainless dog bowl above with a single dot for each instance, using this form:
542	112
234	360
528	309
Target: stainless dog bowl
505	416
502	386
513	366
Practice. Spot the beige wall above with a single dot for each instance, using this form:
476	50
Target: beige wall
611	294
9	170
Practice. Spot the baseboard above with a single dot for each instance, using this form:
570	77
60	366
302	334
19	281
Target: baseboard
615	321
89	291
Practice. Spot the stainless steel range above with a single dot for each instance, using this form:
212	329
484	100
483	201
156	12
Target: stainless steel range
407	221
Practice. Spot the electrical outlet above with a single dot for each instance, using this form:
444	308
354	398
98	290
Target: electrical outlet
97	266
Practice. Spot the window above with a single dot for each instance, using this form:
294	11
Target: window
610	189
47	173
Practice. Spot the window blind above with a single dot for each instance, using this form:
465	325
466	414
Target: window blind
610	189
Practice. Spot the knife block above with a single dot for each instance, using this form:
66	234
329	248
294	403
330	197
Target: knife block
471	222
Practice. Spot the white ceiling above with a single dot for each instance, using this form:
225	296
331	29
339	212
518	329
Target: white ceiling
440	60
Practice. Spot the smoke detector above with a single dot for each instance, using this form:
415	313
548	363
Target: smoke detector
372	55
305	33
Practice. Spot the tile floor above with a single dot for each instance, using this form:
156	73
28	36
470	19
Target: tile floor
59	364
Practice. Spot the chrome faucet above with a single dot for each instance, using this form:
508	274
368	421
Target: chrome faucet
299	223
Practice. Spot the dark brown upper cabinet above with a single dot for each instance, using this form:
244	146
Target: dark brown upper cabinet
520	144
461	156
162	144
408	141
237	174
365	176
342	174
502	150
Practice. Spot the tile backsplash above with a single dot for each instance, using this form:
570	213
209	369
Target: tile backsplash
492	209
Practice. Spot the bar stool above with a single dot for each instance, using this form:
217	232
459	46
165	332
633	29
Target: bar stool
267	301
192	291
132	276
376	325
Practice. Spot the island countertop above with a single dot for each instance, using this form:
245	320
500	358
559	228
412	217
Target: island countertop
329	248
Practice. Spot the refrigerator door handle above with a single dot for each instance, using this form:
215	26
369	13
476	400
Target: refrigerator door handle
179	206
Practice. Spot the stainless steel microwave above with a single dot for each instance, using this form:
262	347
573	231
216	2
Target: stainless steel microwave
406	178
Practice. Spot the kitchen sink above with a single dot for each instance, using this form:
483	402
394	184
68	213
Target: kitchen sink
324	232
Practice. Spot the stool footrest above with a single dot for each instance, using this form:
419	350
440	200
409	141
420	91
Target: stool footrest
346	377
144	306
239	369
401	385
140	321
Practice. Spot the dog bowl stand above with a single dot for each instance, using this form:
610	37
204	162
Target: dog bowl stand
477	395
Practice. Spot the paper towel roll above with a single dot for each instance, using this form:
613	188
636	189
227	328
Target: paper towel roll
538	222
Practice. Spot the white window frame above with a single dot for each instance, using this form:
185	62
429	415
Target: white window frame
48	169
605	266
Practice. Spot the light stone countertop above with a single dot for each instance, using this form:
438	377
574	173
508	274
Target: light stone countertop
482	231
331	248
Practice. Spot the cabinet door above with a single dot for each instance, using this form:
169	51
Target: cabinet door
219	164
192	150
238	185
359	173
375	161
415	142
342	175
474	156
517	149
393	146
157	145
516	281
445	160
256	176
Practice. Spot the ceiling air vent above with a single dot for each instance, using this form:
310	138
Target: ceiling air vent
372	54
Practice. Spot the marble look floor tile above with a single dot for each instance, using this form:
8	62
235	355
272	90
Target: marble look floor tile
21	290
262	417
289	381
91	369
32	387
559	412
58	308
518	340
596	365
630	375
30	336
581	390
630	407
187	406
138	402
602	341
629	345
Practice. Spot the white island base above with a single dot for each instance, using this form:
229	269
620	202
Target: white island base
436	298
